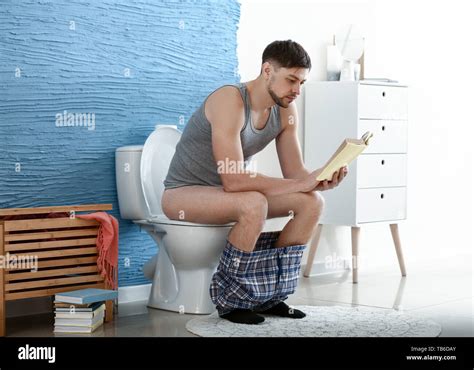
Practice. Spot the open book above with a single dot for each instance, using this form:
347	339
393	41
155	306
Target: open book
345	154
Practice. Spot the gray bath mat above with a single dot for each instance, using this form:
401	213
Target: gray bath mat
322	321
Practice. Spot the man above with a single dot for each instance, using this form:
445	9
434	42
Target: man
207	182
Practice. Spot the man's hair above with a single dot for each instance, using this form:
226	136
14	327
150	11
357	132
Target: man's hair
287	54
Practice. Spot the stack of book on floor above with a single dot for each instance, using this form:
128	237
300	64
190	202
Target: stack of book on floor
81	311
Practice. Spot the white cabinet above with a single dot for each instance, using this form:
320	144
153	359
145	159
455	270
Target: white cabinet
374	189
338	110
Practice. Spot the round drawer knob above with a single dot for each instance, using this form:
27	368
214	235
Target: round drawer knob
383	162
383	128
383	93
381	196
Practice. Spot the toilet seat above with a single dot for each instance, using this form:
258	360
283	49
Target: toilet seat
156	156
157	153
162	219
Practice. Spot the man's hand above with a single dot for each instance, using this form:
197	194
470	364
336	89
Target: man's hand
311	184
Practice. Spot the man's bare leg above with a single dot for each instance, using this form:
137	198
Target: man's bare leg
306	209
209	204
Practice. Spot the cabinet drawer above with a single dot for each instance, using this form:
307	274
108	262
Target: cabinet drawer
381	170
384	102
381	204
389	136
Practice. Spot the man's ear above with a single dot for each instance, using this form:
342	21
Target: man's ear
266	70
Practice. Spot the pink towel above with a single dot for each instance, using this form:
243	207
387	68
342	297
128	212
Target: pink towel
107	244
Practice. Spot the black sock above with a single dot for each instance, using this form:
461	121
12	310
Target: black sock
241	316
283	310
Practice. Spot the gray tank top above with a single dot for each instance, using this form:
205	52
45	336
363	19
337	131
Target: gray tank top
193	162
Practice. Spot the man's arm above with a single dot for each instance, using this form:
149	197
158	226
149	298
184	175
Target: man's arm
288	145
225	111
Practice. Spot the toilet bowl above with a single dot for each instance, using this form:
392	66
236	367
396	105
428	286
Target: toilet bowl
188	252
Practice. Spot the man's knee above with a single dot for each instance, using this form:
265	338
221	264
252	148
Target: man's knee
254	207
312	203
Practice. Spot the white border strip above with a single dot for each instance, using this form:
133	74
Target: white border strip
134	293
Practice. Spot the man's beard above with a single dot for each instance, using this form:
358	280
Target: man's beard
276	99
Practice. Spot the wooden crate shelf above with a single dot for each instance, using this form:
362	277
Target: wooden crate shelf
44	255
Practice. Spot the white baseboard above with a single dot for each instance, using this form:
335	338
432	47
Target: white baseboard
134	293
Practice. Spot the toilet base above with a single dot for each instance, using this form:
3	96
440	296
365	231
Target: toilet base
183	286
192	298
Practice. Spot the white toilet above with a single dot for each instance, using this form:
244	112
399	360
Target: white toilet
188	252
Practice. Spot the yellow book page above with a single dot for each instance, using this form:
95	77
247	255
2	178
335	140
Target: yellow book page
349	152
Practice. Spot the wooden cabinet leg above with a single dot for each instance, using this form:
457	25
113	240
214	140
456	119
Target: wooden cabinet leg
2	327
109	311
312	250
398	247
355	234
2	287
2	316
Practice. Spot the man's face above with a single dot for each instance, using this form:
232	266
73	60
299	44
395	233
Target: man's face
284	84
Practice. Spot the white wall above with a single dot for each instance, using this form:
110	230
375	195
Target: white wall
422	44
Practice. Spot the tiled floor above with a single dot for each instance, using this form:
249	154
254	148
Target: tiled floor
430	290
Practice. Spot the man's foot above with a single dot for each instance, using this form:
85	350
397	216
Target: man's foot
241	316
283	310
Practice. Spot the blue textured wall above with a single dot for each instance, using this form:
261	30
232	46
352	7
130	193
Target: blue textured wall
131	63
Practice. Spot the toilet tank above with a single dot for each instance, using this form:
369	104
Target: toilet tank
132	204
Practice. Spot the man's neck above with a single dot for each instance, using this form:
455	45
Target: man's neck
260	99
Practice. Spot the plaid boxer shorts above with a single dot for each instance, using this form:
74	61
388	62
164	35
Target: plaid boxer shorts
256	280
